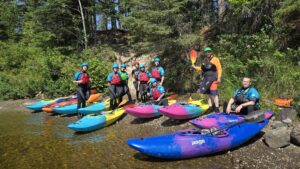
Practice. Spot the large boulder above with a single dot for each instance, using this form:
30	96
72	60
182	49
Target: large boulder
295	135
277	138
288	115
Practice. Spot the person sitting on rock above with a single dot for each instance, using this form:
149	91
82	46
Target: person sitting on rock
157	92
244	100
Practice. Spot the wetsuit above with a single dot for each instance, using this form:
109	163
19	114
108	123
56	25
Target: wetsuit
115	88
125	85
82	88
143	78
135	73
212	71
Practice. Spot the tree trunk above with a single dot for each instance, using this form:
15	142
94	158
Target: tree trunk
83	25
221	10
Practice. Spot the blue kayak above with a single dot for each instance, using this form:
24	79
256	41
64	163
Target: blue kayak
93	122
70	109
37	106
193	143
95	108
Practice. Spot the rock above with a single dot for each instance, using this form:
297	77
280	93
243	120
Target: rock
277	138
277	124
295	135
287	115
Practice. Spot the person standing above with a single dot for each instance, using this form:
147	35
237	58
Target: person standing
158	72
124	78
134	75
115	87
143	79
212	72
82	80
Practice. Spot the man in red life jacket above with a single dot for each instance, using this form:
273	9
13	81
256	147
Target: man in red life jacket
82	79
134	75
157	92
158	72
115	87
143	79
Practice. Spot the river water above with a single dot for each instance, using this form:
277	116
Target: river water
42	140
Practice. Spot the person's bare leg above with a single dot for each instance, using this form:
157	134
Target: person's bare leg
210	104
217	102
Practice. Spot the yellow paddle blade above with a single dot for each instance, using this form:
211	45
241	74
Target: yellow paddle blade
190	99
123	102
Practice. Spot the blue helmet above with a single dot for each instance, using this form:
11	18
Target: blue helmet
157	59
115	66
153	80
123	65
84	64
142	65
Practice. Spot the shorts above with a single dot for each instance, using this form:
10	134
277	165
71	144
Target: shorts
213	89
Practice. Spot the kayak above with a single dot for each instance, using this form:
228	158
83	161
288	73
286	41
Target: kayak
146	111
95	108
219	120
49	108
194	143
37	106
93	122
72	108
182	111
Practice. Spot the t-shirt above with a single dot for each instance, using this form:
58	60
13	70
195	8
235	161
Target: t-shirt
250	94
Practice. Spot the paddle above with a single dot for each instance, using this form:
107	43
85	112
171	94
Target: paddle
193	56
254	117
122	103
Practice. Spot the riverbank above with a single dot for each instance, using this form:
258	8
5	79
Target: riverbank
42	140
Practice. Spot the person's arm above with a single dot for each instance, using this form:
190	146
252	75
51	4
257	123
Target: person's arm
228	108
162	73
161	96
76	77
241	106
198	68
218	65
162	80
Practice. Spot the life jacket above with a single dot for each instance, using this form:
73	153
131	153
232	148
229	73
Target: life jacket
155	73
144	77
208	66
85	78
116	79
136	74
240	97
156	93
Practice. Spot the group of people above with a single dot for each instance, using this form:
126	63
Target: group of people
150	85
147	84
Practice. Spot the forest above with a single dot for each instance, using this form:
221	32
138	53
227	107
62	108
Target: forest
43	42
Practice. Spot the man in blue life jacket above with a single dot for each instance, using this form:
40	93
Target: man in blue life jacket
157	92
143	79
82	80
124	77
244	100
158	72
115	87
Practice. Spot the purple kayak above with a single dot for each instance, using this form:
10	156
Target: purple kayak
194	143
219	120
